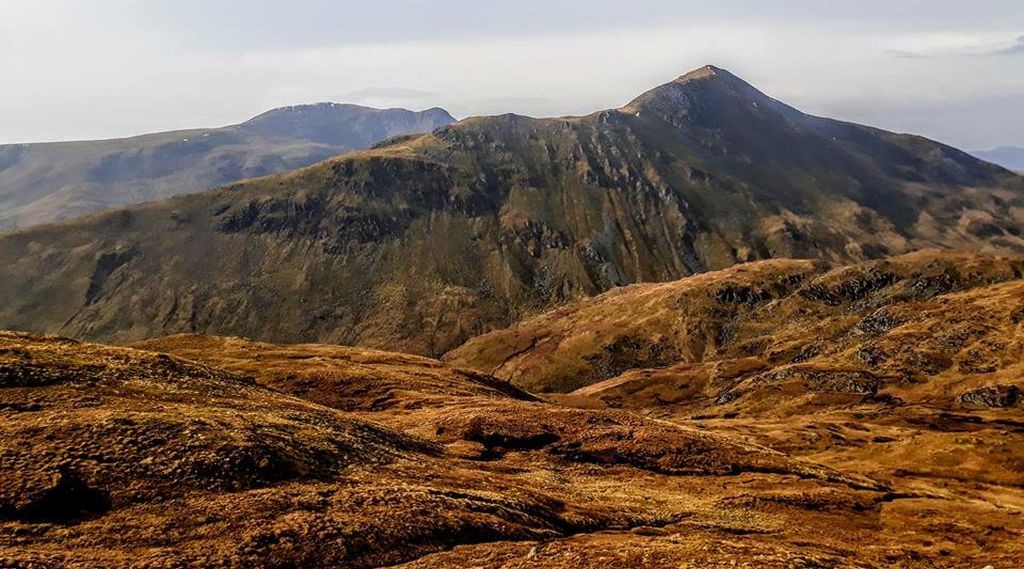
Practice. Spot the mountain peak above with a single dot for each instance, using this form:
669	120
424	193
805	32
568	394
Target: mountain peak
710	88
706	72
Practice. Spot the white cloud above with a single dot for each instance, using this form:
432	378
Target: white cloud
956	44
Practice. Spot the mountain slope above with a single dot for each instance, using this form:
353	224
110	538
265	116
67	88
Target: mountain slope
907	370
51	181
1006	156
430	240
857	329
117	457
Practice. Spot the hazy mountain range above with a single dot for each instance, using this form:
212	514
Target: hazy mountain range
1006	156
46	182
428	240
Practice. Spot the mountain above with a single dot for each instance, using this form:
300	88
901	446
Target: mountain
426	241
41	183
1006	156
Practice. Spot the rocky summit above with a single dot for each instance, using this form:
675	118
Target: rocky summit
425	241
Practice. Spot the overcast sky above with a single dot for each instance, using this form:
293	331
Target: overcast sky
80	69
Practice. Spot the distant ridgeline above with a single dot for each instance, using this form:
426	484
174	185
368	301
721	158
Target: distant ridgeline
1006	156
41	183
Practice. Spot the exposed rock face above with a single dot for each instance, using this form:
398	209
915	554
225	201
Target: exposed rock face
40	183
427	241
993	396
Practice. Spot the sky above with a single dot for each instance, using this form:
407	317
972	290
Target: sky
951	70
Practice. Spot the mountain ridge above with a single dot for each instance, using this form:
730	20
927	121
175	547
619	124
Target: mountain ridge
42	182
425	241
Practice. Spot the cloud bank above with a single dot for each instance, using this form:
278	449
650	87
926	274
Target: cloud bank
104	68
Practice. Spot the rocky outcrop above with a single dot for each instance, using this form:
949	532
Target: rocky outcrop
993	396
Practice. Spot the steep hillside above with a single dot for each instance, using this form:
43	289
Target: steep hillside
782	337
41	183
430	240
